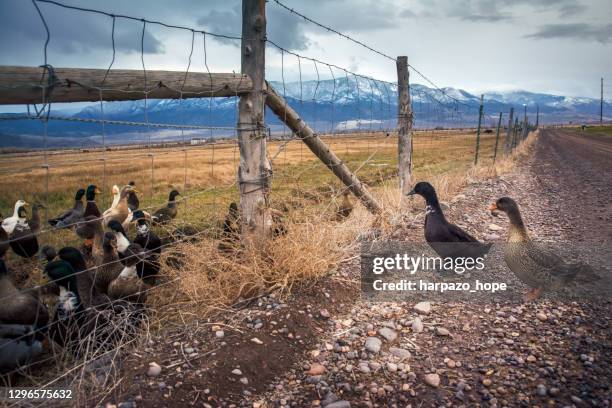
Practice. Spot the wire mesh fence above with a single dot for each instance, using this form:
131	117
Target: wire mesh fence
195	149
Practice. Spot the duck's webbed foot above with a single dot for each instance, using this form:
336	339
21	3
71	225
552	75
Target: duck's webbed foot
532	295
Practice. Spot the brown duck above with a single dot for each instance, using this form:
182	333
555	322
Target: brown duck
121	211
538	268
345	208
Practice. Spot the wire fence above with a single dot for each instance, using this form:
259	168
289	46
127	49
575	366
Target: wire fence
354	113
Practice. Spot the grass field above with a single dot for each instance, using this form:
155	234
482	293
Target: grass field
206	174
600	130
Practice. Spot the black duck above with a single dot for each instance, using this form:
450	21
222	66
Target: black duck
128	285
150	242
23	240
446	239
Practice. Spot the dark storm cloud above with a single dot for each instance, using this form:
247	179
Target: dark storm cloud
70	32
494	11
575	31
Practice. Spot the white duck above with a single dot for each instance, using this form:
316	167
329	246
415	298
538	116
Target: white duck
10	223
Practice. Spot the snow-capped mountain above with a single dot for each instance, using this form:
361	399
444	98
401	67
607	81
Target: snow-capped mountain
344	104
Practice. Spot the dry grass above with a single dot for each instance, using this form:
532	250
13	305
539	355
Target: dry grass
209	279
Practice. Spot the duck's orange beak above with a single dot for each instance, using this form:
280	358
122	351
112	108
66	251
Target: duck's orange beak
493	207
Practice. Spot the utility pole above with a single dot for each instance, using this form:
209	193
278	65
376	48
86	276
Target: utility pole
508	144
601	104
478	131
497	136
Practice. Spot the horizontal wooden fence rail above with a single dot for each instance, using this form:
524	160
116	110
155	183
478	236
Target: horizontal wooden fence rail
30	85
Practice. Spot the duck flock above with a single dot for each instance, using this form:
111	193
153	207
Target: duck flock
99	288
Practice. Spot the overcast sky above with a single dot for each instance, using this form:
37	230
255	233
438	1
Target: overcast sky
553	46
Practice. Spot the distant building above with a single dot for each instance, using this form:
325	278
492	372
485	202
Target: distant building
197	141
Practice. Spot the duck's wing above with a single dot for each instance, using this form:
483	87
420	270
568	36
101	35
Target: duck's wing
456	234
548	261
9	224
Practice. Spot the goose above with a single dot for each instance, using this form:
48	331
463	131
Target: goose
128	286
168	212
446	239
120	211
23	240
92	208
71	216
538	268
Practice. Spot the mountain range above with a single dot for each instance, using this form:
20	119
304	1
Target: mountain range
344	104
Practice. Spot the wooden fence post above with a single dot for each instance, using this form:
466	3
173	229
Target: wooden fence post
497	137
290	117
478	131
515	133
508	144
404	126
254	171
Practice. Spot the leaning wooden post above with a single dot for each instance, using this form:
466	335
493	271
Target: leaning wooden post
404	126
478	131
290	117
515	133
497	137
254	171
508	145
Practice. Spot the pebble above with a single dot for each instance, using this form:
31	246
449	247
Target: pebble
531	358
422	308
399	352
364	368
154	369
487	382
389	334
373	344
236	371
244	380
441	331
316	369
392	367
541	316
495	227
324	313
417	325
339	404
432	380
541	390
219	334
256	340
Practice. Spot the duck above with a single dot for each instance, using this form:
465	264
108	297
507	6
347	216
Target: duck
90	295
108	266
128	285
116	191
22	239
538	268
92	208
345	208
150	242
34	220
71	216
122	240
230	233
4	240
120	211
91	231
9	224
445	238
20	307
19	347
132	198
168	212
